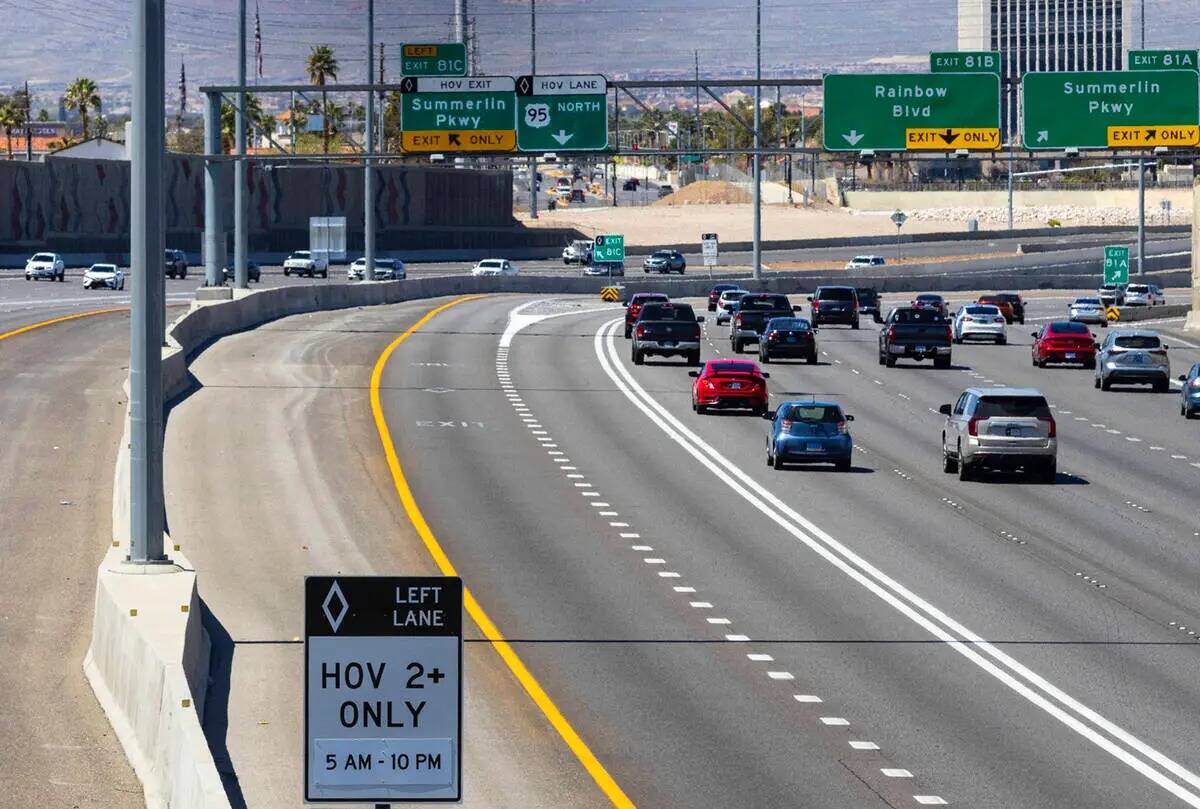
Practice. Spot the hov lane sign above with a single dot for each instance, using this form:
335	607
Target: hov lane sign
562	113
382	689
709	248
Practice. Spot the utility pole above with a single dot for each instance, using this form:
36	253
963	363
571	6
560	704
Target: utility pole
757	141
699	120
182	95
28	127
241	241
533	212
382	136
368	174
148	312
1141	232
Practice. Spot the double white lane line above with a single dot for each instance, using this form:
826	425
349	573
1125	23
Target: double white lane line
1122	745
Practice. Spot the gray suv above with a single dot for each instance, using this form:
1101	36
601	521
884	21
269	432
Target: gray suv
1190	393
1133	356
1000	428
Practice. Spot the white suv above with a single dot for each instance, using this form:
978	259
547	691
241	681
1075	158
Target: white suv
1144	295
45	265
304	262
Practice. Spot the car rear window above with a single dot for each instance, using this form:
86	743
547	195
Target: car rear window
1138	288
43	257
1143	341
735	368
919	316
1012	407
765	303
1088	301
991	299
647	297
789	323
814	413
981	310
1010	297
668	311
866	295
835	294
733	294
1067	327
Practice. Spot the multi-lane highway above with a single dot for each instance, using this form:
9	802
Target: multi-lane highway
716	633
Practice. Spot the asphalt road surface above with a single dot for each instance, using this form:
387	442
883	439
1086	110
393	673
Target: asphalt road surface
717	632
61	408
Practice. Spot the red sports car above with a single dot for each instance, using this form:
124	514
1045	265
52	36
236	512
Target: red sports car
1064	341
730	383
634	307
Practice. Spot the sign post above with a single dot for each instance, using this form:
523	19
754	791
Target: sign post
912	111
382	689
469	114
964	62
433	59
1111	110
562	113
898	218
1116	264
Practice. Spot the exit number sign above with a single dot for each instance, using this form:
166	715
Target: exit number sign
964	62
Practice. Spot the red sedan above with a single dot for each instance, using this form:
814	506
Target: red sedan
633	308
730	384
1064	341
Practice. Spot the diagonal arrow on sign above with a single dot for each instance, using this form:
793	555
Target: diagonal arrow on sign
562	136
1043	136
854	137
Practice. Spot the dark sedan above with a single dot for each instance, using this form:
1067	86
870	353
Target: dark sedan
788	337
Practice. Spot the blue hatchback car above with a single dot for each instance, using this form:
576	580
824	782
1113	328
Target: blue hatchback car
809	432
1189	406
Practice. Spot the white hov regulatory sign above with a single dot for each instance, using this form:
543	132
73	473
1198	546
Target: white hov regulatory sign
465	84
709	248
383	689
564	85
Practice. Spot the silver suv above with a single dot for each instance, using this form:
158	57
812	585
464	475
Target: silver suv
1000	428
1133	356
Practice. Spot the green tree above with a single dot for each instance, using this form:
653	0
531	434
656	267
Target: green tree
10	118
322	67
43	115
256	119
82	96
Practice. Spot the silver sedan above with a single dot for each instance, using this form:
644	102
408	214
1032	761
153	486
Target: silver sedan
1087	310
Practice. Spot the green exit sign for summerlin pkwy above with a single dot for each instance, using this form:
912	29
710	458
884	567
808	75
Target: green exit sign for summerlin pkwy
964	62
1163	60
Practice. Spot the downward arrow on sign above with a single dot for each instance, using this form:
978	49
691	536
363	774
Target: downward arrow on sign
562	136
853	138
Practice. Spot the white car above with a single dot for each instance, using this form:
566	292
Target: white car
45	265
980	321
1144	295
386	269
859	262
1087	310
494	266
305	262
726	304
577	252
108	276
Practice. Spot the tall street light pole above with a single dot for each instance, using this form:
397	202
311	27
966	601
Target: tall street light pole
1141	231
533	212
241	240
148	313
368	172
757	140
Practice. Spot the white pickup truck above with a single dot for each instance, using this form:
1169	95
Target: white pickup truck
305	262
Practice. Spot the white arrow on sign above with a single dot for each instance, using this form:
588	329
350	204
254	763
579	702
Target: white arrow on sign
1043	136
854	137
562	136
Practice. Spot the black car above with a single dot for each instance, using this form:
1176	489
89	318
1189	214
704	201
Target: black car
630	185
834	305
253	272
176	264
868	303
788	337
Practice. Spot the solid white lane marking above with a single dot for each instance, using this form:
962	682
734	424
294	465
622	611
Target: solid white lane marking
737	638
835	721
699	605
863	745
806	698
895	772
781	675
759	657
719	621
999	664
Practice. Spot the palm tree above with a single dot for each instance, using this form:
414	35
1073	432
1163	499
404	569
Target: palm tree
10	117
256	119
320	66
82	95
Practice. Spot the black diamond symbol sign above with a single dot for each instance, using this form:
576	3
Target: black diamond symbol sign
524	86
338	612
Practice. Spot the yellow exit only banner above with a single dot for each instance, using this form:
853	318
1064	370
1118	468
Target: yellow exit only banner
468	140
1133	137
952	138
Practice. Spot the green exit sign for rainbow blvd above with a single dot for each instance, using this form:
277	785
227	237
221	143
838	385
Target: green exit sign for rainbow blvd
964	62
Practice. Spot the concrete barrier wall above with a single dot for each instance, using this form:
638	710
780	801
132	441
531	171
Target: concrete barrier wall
1181	199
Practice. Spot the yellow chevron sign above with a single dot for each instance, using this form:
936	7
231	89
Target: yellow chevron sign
610	294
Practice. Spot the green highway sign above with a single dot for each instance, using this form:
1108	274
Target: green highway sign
562	113
468	114
1102	110
964	62
609	247
897	111
1116	264
433	59
1163	60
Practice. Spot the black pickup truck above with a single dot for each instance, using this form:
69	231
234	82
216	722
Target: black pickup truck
915	334
753	313
666	330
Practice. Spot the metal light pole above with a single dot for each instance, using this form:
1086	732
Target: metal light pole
533	213
214	236
368	173
241	241
1141	232
757	141
148	312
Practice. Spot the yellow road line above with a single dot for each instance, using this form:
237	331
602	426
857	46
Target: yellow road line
539	696
62	319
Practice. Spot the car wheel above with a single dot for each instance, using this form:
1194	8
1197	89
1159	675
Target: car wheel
182	275
171	275
1162	386
939	362
843	465
776	462
62	276
638	359
854	325
1105	384
957	341
701	409
1001	341
1089	365
628	332
965	472
760	411
122	286
764	358
949	464
812	359
1047	472
286	271
694	358
1096	382
878	319
735	346
1189	413
889	361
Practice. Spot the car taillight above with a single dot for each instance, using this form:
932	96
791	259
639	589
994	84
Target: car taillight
786	424
949	333
773	336
841	428
1195	383
641	331
633	310
816	304
737	321
1051	423
973	426
891	335
968	318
